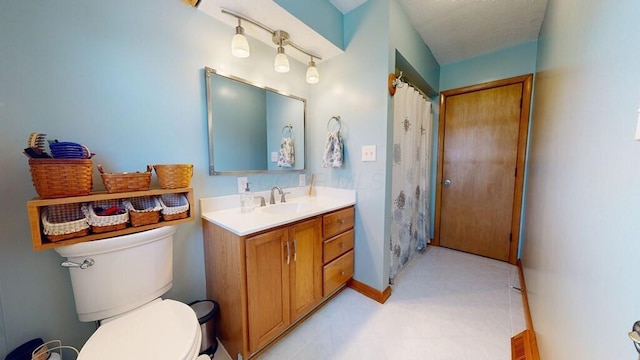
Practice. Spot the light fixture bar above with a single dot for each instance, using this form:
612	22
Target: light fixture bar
273	32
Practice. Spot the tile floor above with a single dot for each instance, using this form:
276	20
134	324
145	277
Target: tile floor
444	305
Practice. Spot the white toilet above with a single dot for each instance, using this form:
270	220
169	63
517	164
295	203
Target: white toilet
118	282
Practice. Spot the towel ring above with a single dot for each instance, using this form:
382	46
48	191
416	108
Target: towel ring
337	119
287	129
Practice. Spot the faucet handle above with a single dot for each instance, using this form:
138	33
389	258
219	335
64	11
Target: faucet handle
262	200
282	199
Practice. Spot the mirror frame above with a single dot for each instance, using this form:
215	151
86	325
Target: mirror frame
208	74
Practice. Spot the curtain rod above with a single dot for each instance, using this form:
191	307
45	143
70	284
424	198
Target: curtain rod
395	80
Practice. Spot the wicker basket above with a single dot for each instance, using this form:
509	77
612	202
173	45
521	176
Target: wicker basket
64	221
105	223
174	206
174	176
55	178
143	210
121	182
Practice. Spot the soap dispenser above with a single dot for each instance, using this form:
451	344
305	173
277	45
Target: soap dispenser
246	200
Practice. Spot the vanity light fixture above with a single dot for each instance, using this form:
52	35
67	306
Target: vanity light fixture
281	63
240	47
312	73
239	44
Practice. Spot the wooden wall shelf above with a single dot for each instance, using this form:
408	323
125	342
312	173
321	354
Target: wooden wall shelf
40	242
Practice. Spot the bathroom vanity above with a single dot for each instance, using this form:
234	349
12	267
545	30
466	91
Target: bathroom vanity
271	268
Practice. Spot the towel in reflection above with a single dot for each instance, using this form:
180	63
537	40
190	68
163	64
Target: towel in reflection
286	156
333	150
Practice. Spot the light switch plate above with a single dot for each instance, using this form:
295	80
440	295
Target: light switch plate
274	156
242	184
369	153
302	180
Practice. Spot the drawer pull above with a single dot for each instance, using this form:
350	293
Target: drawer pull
341	221
342	272
342	244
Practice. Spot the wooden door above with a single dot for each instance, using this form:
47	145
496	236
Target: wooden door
480	168
267	286
305	271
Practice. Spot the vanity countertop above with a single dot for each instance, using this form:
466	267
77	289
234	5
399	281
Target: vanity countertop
224	211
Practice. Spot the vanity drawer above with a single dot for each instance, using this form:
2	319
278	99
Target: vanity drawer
337	246
337	222
337	273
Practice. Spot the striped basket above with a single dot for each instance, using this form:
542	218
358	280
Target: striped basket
174	206
65	221
143	210
105	223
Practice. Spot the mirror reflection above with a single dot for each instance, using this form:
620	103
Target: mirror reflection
252	128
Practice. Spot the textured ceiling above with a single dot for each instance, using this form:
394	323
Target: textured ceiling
454	30
460	29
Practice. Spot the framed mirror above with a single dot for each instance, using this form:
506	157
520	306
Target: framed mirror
253	129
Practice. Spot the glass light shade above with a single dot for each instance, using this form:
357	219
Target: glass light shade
312	73
281	64
239	44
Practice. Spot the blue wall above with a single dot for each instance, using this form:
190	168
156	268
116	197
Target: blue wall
319	15
582	230
513	61
127	79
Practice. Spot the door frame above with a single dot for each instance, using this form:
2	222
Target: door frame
526	81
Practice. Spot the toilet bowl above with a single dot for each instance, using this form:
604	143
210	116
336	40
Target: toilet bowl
163	330
118	282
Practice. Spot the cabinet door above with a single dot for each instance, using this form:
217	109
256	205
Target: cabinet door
267	286
305	271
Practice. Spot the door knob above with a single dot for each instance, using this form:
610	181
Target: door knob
447	182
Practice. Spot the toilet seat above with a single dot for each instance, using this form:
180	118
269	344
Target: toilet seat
164	330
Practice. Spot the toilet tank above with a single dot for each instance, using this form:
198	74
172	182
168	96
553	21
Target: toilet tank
128	271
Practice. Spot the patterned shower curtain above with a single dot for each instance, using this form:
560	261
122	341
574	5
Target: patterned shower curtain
412	124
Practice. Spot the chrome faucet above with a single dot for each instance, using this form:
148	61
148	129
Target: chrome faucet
272	200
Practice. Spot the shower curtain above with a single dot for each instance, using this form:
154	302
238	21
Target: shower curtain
412	124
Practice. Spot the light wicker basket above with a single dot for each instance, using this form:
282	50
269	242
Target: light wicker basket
143	210
105	223
174	176
174	206
121	182
55	178
64	221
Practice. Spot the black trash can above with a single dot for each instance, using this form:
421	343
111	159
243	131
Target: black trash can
205	311
23	352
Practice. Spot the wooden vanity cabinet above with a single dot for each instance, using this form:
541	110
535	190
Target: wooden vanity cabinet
338	257
267	282
284	280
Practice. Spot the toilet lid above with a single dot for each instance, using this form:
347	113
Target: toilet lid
165	330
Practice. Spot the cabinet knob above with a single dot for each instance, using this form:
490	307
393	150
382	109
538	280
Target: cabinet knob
342	272
341	221
342	245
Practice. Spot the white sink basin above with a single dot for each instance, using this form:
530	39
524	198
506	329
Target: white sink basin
288	208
